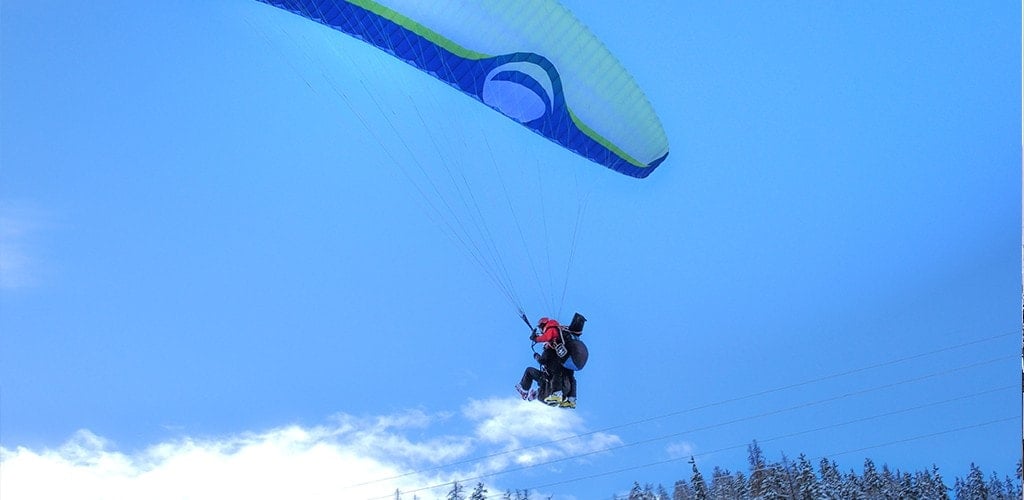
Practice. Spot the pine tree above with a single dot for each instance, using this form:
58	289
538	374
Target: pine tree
831	479
638	493
758	469
517	495
723	485
797	481
1013	489
742	487
959	489
682	490
906	488
871	482
890	482
649	492
635	493
661	493
774	486
973	487
456	492
939	488
923	483
930	484
479	493
787	476
806	482
997	489
851	487
700	488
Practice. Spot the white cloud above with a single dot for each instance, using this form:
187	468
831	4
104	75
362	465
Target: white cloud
352	457
512	425
17	223
288	462
681	450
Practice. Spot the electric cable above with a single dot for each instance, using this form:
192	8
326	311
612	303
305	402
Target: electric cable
707	405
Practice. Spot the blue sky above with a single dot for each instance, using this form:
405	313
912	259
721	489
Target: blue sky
214	273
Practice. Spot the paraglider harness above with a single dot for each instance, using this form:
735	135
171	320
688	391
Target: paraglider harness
565	334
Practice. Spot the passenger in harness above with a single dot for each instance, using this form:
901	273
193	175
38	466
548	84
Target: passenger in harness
563	355
549	377
531	375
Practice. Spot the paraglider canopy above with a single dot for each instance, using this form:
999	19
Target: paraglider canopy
534	63
531	61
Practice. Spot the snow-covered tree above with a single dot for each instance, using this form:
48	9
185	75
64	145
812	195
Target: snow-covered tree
700	487
807	486
517	495
973	487
905	487
851	488
929	484
831	479
456	492
644	493
723	485
939	488
682	490
479	492
1014	488
775	485
871	481
996	490
636	492
798	481
758	469
661	493
742	487
890	482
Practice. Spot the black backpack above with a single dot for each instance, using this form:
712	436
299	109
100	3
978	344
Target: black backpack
576	326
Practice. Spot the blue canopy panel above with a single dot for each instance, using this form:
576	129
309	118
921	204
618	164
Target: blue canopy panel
592	106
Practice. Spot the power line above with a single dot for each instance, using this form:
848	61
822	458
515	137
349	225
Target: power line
716	404
880	445
826	456
757	416
722	424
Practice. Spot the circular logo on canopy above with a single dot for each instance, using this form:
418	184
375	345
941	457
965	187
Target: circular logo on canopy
521	90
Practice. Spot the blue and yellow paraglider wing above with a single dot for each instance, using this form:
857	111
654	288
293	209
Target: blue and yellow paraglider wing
530	60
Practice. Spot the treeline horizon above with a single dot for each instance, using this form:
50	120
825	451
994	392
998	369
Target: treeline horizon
787	479
801	480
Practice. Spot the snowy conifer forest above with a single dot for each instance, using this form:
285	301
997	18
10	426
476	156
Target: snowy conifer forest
800	479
